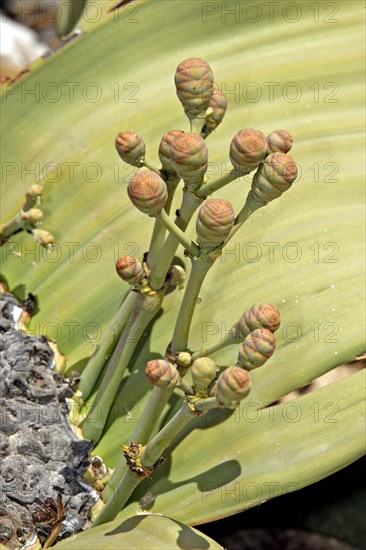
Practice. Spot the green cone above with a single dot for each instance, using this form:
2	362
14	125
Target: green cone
203	372
131	147
273	177
279	141
214	222
218	103
129	269
189	156
194	83
164	149
44	238
147	192
32	216
232	386
248	148
258	316
161	373
256	349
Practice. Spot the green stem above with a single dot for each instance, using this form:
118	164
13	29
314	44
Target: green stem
185	387
200	267
31	201
197	124
156	243
198	273
173	229
249	207
231	337
12	226
171	184
150	455
221	344
125	488
152	168
190	203
159	397
206	404
155	448
159	232
144	309
109	340
210	188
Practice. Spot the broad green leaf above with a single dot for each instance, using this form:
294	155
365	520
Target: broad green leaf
303	252
255	455
86	15
68	15
145	532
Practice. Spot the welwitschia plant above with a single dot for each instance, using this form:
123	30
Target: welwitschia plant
184	156
303	253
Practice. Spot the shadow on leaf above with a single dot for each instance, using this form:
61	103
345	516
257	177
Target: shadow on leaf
188	539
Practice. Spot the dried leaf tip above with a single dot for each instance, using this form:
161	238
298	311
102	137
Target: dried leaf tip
177	276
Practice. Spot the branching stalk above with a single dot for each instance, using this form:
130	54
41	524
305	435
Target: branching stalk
159	232
197	124
109	340
249	207
127	485
200	267
150	455
204	405
215	185
152	168
31	201
144	309
163	439
143	429
229	339
171	184
190	203
156	243
186	312
181	237
98	360
12	226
